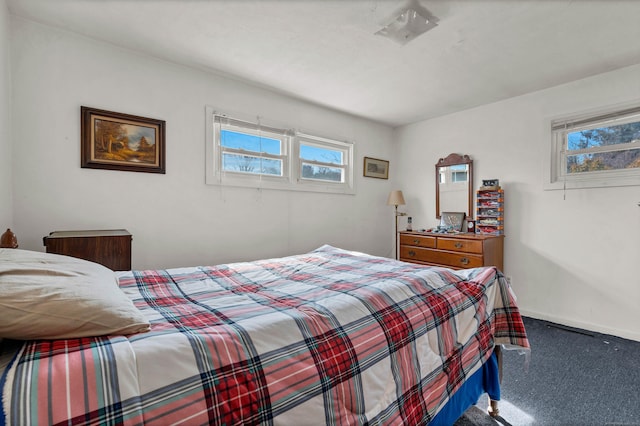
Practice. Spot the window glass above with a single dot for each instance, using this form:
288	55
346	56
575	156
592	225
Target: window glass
248	142
596	150
456	173
603	148
459	173
333	174
251	164
322	162
325	155
249	153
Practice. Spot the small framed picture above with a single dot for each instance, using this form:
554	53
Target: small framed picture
117	141
376	168
452	220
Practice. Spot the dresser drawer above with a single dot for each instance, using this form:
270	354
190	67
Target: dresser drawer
439	257
418	240
457	251
458	244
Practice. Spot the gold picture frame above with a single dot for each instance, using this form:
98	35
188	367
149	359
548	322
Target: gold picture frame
116	141
376	168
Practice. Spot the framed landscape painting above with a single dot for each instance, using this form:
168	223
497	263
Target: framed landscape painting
376	168
116	141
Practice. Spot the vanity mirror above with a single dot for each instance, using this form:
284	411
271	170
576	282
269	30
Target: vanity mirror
454	185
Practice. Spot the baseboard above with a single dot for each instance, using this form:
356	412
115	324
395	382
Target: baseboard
625	334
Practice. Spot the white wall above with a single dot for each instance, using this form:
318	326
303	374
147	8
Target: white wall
175	219
6	204
573	257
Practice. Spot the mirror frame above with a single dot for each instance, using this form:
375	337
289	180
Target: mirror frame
452	160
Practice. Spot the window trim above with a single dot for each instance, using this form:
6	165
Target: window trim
215	175
556	177
292	163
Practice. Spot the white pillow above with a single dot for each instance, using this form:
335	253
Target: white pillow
49	296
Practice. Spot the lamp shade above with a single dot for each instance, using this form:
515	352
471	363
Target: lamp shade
395	198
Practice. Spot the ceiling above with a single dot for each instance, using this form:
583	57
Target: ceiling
325	51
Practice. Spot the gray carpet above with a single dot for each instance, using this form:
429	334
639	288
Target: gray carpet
575	377
475	416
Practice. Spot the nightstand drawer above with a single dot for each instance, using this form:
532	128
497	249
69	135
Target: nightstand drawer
458	244
418	240
439	257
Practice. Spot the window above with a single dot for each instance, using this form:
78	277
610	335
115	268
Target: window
251	149
250	154
457	173
595	151
324	161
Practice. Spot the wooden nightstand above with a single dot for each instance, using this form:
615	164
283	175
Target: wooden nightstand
456	251
111	248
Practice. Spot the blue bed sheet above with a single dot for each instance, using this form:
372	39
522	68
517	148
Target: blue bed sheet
485	380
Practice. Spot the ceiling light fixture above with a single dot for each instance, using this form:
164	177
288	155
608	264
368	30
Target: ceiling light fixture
408	25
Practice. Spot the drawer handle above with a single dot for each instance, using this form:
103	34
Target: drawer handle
416	241
412	253
458	244
464	261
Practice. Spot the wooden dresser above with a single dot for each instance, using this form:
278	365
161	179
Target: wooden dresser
111	247
456	251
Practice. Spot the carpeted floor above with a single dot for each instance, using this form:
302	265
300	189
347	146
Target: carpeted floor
475	416
574	378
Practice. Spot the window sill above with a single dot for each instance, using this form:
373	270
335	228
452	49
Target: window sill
601	181
279	186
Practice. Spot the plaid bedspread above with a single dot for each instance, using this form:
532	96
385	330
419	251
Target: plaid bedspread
329	337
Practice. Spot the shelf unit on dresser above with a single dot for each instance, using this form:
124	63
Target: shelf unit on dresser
490	211
456	251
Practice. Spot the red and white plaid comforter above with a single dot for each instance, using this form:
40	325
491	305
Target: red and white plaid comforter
329	337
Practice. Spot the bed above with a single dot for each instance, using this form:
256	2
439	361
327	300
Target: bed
327	337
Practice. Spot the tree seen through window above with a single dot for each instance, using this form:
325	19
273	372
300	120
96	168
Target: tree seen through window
604	148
